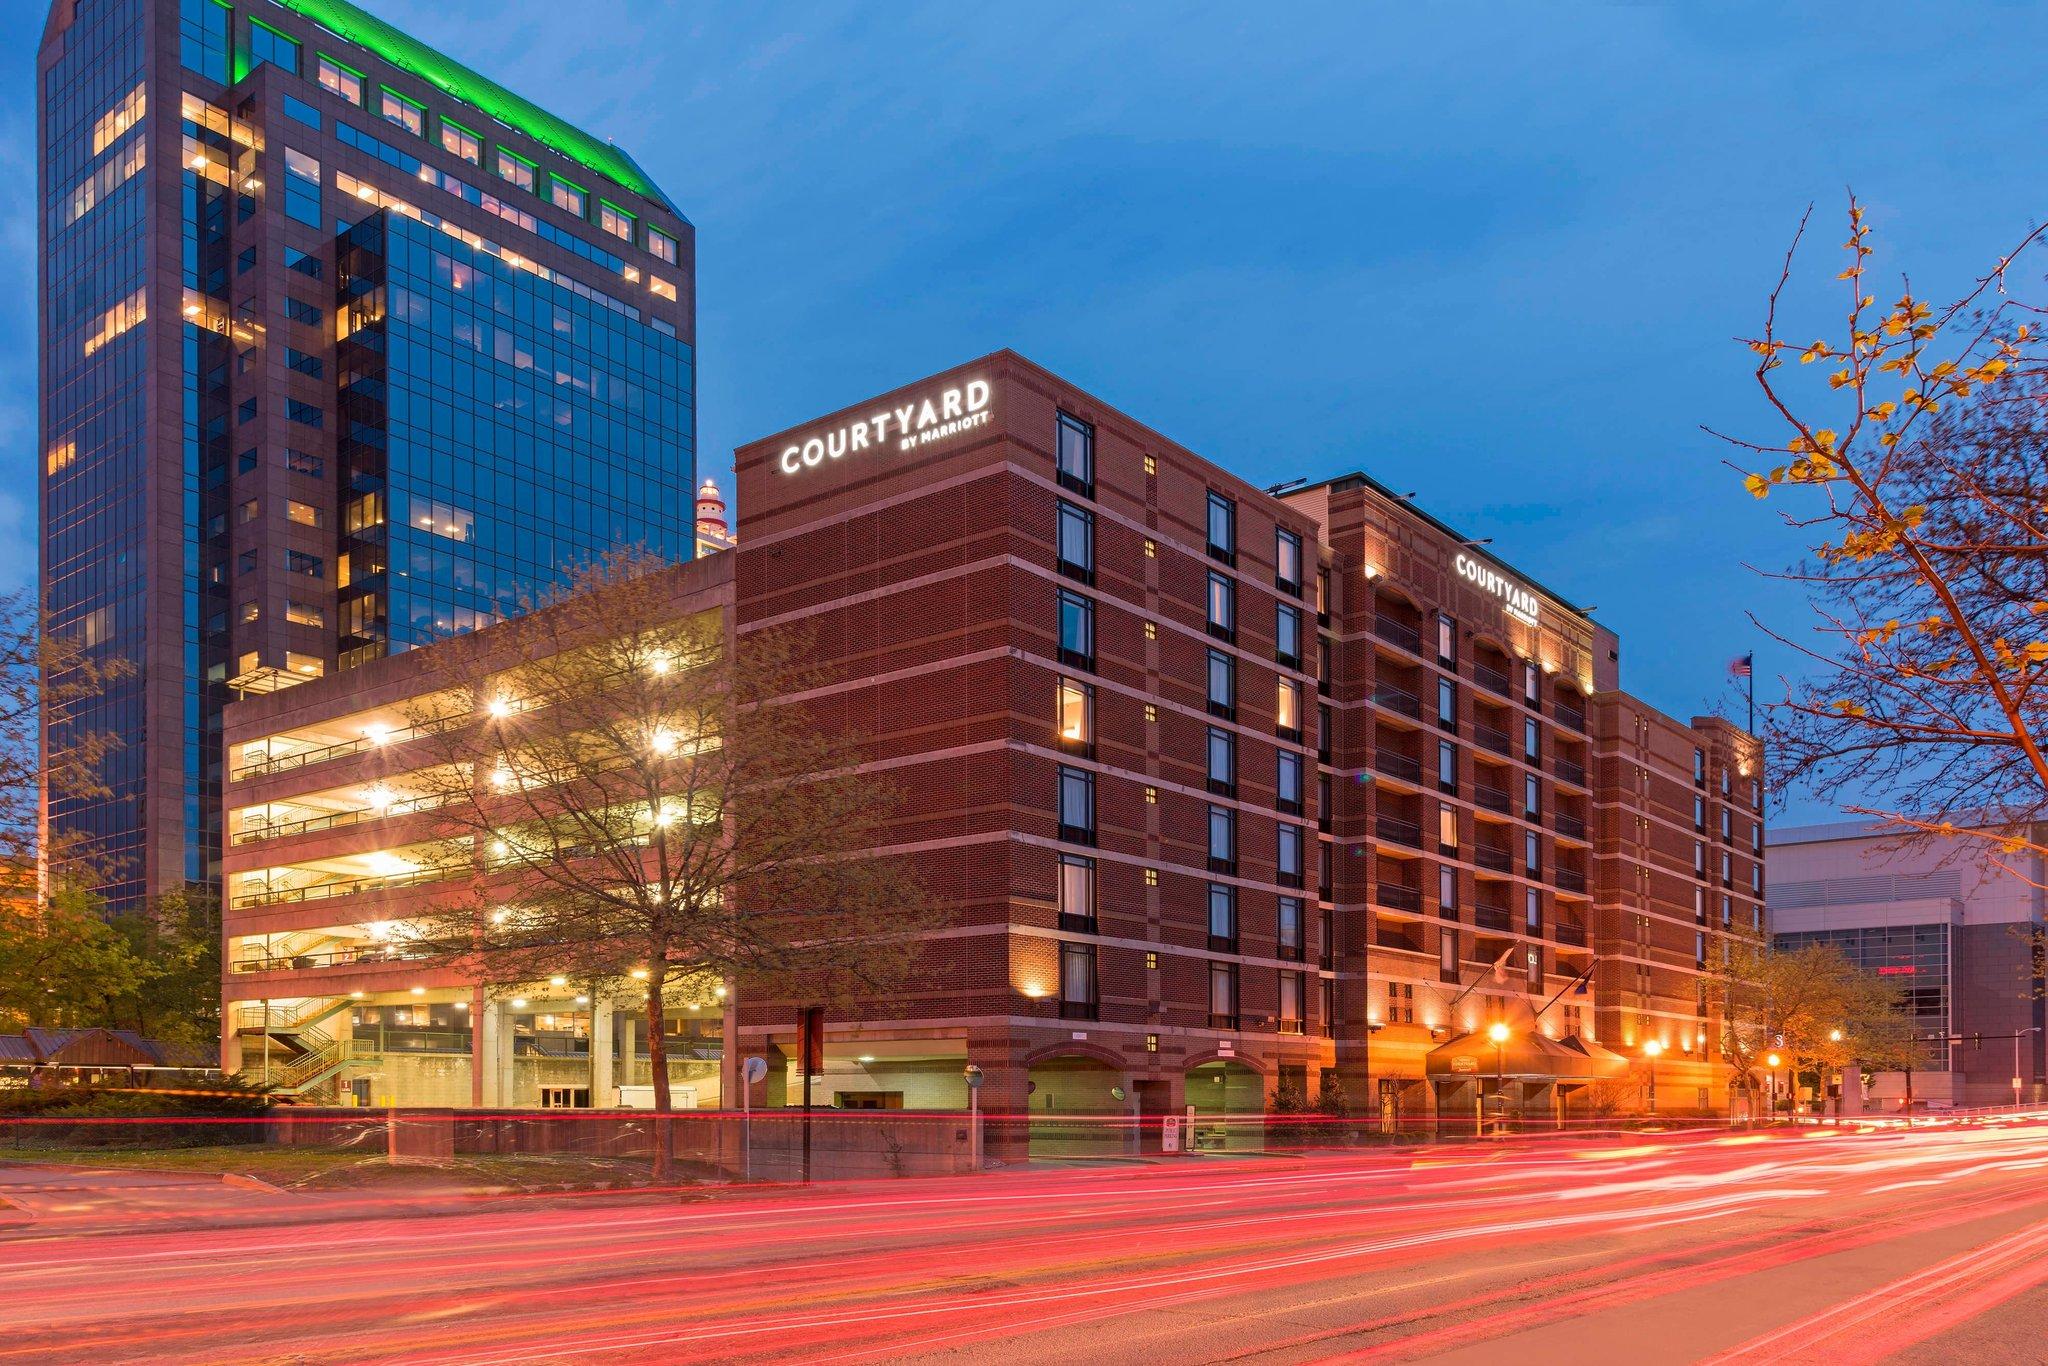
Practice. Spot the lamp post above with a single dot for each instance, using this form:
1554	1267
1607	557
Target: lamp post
1651	1048
1498	1032
2017	1035
1771	1061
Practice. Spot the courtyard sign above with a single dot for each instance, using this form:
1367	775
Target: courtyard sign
1520	603
918	422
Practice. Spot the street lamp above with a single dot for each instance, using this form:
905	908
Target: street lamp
1651	1048
2017	1035
1498	1032
1771	1061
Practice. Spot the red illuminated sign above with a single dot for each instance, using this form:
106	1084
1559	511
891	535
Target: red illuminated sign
1897	972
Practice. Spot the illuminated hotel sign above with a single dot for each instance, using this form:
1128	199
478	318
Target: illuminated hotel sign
1520	603
919	422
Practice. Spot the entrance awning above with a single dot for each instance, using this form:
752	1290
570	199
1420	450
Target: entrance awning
1524	1057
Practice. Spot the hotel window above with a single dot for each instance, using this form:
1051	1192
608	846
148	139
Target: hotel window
1077	715
1222	762
1447	954
299	311
1446	829
1288	856
304	614
615	220
1222	918
1326	1004
1287	560
1532	804
1529	681
1724	780
1447	889
1727	824
1077	630
1325	863
1222	840
266	44
662	245
1222	685
1699	905
303	363
1222	606
1446	640
1699	814
1326	944
1287	782
1446	704
1076	542
1446	766
1322	594
567	194
305	414
1727	912
1222	996
516	169
1287	635
1727	869
1699	768
307	566
248	512
1077	982
304	514
1077	805
1076	455
1290	1002
459	141
341	80
1287	709
1532	749
1326	731
1532	852
407	114
249	612
1222	528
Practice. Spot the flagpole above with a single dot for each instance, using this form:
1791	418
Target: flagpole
1752	692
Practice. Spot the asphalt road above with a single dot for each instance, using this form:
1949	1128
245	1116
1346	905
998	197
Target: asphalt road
1928	1244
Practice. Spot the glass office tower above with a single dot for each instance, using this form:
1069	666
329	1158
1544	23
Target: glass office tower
345	348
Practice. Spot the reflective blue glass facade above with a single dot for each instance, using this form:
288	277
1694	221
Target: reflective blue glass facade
499	429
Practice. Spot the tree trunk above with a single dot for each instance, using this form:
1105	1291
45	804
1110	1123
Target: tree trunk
657	1061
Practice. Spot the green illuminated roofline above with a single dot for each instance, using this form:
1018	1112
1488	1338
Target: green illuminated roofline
445	74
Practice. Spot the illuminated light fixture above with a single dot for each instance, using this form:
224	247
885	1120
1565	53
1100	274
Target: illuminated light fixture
499	707
500	847
638	974
388	865
1034	991
1497	1032
427	174
865	1057
365	192
500	916
355	995
696	1005
1834	1036
664	818
419	991
462	1005
426	521
379	798
721	993
191	310
377	734
380	929
1652	1047
662	742
659	665
518	1002
501	777
1372	571
582	1000
1772	1060
199	163
252	183
558	981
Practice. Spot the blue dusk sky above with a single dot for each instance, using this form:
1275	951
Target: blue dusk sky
1494	254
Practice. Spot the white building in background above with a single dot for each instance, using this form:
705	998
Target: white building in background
1949	926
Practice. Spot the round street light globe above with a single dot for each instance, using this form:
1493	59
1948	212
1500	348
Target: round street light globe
1772	1060
1653	1047
1497	1032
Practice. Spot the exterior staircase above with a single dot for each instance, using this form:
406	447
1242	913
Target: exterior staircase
303	1056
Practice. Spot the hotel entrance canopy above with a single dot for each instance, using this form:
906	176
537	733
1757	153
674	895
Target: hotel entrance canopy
1524	1057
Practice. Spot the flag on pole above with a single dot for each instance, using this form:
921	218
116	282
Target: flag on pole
1500	965
1741	666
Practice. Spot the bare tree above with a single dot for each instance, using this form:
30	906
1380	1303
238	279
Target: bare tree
44	749
647	809
1915	466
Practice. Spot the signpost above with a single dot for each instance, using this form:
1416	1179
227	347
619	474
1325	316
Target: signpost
1169	1134
751	1071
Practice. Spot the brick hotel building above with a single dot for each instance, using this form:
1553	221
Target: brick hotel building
1225	793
